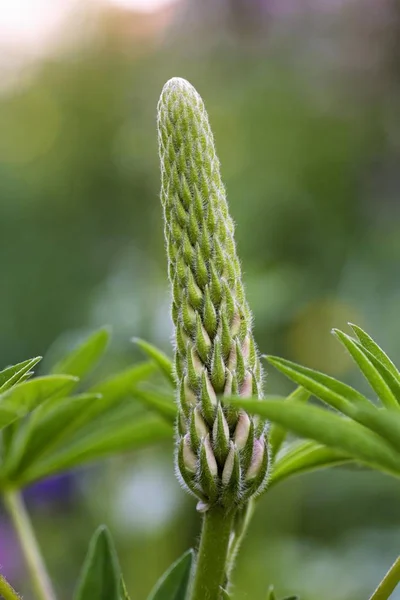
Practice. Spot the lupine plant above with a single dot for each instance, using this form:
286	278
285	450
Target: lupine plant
230	439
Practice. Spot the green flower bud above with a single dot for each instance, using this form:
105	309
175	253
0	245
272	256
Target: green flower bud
219	460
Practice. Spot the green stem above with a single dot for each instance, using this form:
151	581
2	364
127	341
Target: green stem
388	583
20	518
241	526
213	554
6	591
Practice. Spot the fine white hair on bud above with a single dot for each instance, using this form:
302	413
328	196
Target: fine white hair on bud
215	353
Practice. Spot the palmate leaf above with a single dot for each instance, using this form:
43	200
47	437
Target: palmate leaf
328	429
85	447
162	404
336	394
373	375
24	397
12	375
83	358
174	584
302	457
59	420
368	343
277	434
100	577
162	361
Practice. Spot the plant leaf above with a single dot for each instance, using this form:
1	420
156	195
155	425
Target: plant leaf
112	438
368	343
271	593
100	575
302	457
7	591
370	372
329	429
12	375
225	595
163	362
384	422
277	434
44	430
162	404
122	384
340	396
24	397
174	584
83	358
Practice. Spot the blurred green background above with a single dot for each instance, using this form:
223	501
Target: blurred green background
303	98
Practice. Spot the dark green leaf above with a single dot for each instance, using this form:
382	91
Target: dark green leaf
14	374
162	404
163	362
81	360
100	575
385	422
277	434
369	370
174	584
88	447
302	457
375	350
329	429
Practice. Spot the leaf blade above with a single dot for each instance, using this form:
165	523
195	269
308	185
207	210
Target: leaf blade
173	585
162	361
11	375
100	575
84	357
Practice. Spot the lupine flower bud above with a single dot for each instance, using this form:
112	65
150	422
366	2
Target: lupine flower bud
222	453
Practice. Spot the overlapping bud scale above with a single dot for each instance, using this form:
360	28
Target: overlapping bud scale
222	453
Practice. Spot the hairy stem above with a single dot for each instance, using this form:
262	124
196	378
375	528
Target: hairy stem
34	560
6	591
388	583
213	554
242	523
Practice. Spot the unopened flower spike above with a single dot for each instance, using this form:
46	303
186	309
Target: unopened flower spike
215	355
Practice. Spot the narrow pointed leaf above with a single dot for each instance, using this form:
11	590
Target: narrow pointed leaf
121	385
124	591
83	358
271	593
162	404
373	347
100	576
174	584
45	429
370	372
163	362
24	397
12	375
86	448
225	595
329	429
302	457
340	396
385	422
277	434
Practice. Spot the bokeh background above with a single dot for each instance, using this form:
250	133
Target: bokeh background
303	97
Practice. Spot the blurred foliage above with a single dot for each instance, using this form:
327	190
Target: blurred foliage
304	104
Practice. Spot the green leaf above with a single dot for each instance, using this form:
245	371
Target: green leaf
225	595
369	370
162	404
277	434
83	358
384	422
45	428
302	457
24	397
113	437
368	343
271	593
122	384
100	575
124	591
12	375
340	396
329	429
163	362
7	591
174	584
